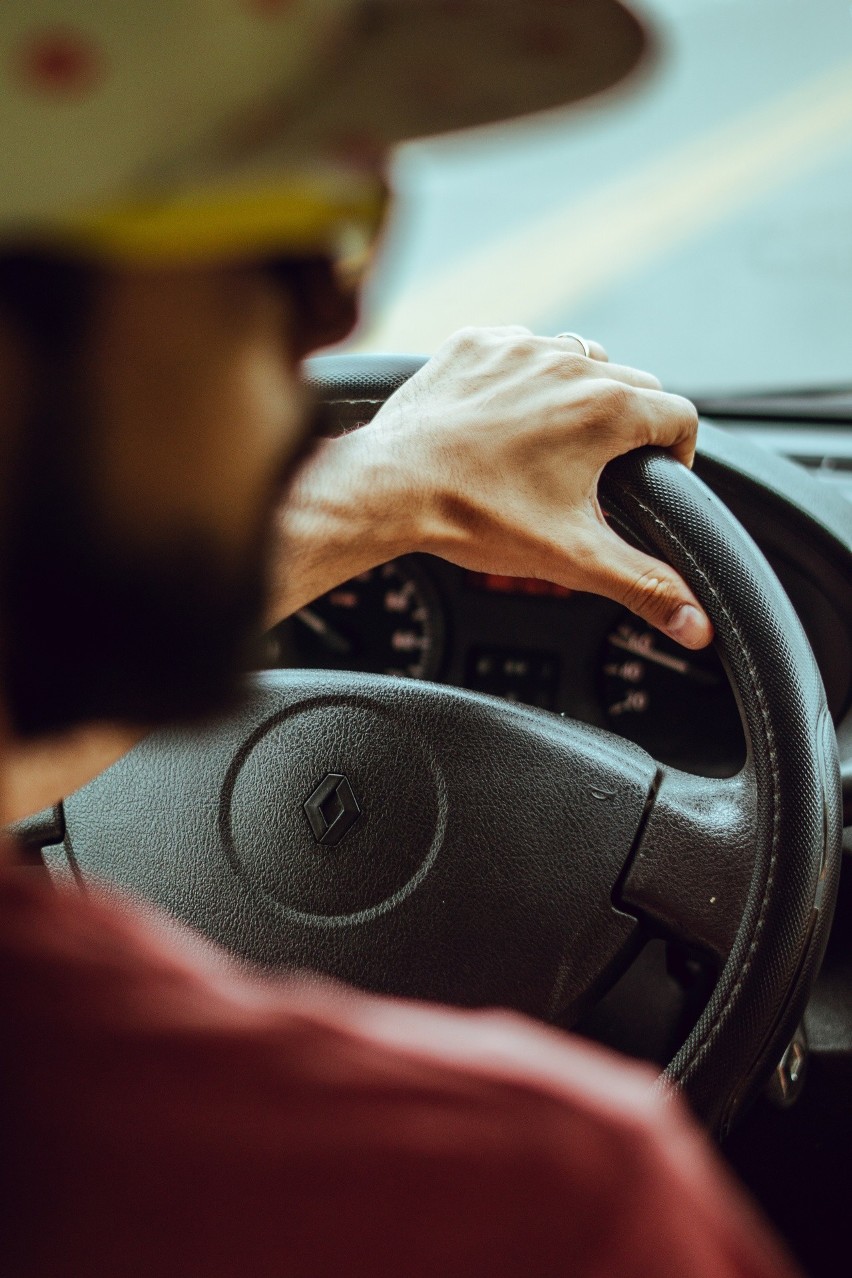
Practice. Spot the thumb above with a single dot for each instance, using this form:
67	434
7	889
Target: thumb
650	588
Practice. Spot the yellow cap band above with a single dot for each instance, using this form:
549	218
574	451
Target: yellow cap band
298	217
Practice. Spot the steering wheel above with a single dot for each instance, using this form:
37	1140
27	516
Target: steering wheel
436	843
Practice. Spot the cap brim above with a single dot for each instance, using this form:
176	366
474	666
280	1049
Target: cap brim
416	68
303	171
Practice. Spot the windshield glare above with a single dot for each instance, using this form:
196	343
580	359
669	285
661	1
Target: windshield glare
698	222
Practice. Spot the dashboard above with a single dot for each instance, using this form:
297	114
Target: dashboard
569	653
527	641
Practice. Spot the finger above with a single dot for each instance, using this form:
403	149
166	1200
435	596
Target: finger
673	424
576	364
650	588
642	416
621	373
584	345
474	339
596	351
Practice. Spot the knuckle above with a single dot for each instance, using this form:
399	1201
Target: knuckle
572	366
524	346
687	412
465	340
652	595
493	343
612	400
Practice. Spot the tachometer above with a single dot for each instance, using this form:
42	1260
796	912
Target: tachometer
677	704
385	621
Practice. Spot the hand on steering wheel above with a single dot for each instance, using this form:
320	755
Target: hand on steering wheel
505	436
501	855
489	455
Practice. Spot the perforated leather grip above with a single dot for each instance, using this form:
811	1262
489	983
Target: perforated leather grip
792	755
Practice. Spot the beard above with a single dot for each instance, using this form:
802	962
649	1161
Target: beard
96	632
98	627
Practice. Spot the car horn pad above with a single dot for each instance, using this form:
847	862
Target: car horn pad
426	841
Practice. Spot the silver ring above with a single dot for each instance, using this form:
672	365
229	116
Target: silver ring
581	340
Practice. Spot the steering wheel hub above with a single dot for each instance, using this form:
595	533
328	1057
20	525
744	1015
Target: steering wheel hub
398	803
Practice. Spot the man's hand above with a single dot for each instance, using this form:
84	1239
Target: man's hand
490	457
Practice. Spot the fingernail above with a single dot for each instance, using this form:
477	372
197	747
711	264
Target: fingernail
689	627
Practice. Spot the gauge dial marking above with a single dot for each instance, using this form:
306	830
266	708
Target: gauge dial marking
678	707
387	620
643	646
334	641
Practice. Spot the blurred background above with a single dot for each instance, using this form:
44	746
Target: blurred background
697	222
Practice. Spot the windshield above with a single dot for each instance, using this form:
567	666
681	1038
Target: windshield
697	222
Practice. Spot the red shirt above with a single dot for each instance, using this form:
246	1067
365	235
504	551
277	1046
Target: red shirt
165	1113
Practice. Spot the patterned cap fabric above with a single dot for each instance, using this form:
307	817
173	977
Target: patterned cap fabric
181	129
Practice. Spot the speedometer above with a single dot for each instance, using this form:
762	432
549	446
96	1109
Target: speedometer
385	621
677	704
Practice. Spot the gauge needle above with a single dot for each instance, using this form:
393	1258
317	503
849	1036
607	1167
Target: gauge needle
658	658
332	639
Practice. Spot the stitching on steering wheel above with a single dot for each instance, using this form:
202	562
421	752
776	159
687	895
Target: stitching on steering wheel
360	399
716	1024
714	1028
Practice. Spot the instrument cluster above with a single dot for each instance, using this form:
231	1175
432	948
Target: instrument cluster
528	641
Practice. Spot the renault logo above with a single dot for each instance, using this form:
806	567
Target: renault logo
332	809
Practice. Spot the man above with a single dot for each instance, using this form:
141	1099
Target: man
185	184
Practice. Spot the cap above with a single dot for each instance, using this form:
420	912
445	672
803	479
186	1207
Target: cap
192	130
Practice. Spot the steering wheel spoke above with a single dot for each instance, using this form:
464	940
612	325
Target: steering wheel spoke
357	824
693	864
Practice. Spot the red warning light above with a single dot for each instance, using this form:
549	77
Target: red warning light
495	584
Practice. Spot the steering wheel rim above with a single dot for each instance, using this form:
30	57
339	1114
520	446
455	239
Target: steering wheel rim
792	755
766	843
791	768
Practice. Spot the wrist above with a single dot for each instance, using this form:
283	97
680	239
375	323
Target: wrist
353	505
